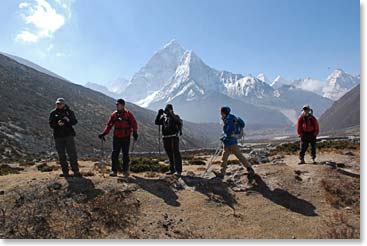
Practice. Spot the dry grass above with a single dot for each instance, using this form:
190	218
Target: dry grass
340	226
329	145
6	169
45	212
342	191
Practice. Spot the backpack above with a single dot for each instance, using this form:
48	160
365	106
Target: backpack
239	126
172	124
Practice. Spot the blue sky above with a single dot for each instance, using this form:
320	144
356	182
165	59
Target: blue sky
101	40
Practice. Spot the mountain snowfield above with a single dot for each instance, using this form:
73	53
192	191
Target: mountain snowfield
278	82
262	77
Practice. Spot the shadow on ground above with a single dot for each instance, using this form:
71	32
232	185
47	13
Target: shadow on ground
211	186
83	186
158	188
284	198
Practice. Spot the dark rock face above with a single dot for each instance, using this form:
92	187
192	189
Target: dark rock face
344	113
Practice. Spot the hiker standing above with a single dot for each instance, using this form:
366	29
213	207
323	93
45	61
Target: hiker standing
171	129
230	144
61	120
124	124
307	129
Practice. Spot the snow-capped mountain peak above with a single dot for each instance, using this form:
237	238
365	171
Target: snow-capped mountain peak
263	78
156	72
173	47
249	86
278	82
338	83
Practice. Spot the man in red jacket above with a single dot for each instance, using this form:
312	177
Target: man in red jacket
307	129
124	124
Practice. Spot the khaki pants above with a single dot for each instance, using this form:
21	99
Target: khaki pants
233	149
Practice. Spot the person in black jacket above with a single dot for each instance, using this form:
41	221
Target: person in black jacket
62	119
171	129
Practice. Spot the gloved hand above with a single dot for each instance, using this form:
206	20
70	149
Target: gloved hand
60	123
135	135
101	136
66	119
160	112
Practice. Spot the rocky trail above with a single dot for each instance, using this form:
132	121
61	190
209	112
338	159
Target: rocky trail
288	200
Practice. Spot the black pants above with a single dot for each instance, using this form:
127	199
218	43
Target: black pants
63	146
120	144
171	146
308	138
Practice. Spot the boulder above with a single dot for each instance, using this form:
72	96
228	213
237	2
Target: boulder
260	155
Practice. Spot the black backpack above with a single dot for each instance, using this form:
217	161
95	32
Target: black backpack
172	124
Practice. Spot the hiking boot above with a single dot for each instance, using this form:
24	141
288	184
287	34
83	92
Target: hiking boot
314	161
178	174
64	175
113	174
250	174
78	175
126	174
169	173
302	161
219	174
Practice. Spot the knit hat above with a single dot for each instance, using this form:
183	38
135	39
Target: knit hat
226	110
120	101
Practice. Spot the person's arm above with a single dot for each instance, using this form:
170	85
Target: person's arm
178	122
71	120
134	124
317	127
228	127
299	127
159	118
109	125
52	121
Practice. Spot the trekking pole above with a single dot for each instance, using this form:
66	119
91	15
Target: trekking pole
51	145
101	151
183	144
213	157
133	146
159	139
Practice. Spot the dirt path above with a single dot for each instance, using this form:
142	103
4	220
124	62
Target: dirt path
288	200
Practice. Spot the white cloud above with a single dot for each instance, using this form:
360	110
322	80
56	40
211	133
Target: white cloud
309	84
23	5
66	5
43	19
26	36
